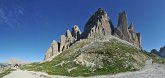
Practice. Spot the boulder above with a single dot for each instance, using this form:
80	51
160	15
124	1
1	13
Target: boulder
98	25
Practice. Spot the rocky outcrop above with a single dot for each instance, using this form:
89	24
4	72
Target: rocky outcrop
68	34
76	33
69	39
161	52
123	32
135	38
98	25
62	42
138	42
65	42
52	51
122	27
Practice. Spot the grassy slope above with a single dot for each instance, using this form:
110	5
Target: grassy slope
119	57
8	71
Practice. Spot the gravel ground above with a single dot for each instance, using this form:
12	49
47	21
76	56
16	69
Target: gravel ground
150	71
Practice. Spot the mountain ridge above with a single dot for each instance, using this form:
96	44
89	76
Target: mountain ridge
98	25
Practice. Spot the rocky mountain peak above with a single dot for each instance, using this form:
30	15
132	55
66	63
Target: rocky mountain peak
122	27
131	26
54	42
161	52
100	12
98	25
14	61
129	34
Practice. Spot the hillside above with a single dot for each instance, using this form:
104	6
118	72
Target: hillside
90	57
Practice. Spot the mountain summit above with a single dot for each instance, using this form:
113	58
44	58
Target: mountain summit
98	25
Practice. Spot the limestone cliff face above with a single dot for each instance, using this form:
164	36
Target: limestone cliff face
98	25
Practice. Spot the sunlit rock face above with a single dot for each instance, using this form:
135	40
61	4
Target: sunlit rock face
98	25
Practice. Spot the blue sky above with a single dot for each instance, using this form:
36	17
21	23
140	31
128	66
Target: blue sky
27	27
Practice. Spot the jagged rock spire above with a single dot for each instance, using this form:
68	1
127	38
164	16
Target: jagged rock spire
76	33
122	27
98	25
52	51
132	26
68	34
132	32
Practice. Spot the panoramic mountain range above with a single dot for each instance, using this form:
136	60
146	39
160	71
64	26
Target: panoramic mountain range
98	25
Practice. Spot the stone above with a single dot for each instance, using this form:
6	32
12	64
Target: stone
122	27
98	25
76	33
52	51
